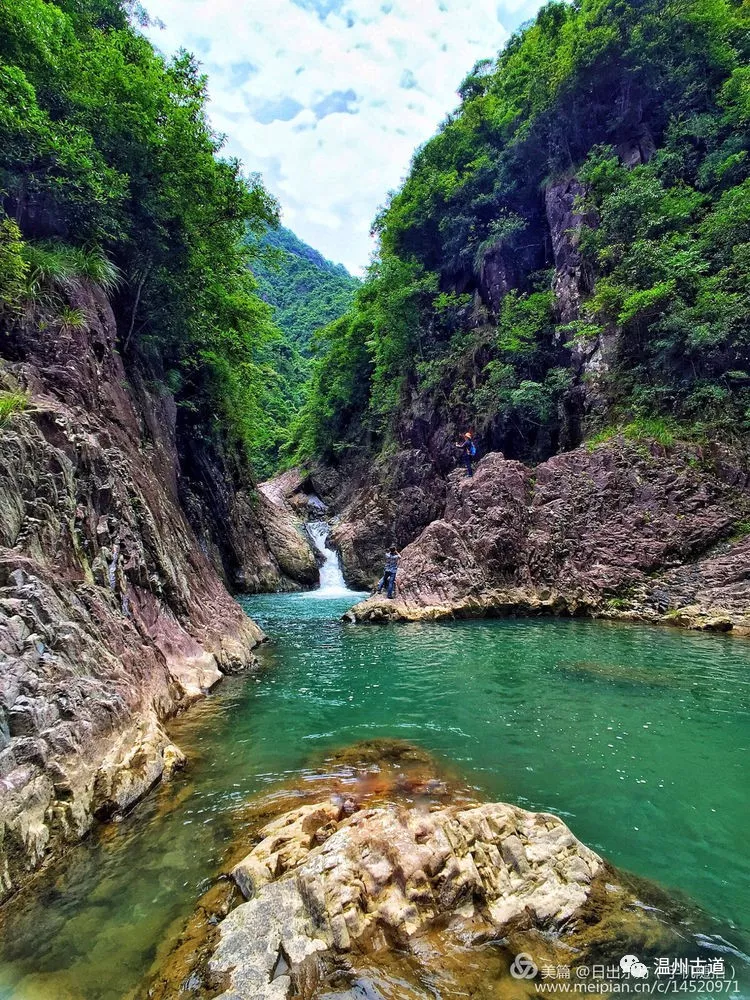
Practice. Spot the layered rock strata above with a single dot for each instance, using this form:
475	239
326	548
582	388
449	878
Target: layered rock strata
624	528
320	886
112	616
395	897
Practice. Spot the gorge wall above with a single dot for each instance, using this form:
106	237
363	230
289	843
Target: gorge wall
117	540
564	272
565	265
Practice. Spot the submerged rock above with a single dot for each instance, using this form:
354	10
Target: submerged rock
366	774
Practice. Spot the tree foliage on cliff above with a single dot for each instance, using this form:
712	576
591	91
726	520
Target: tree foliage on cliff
586	90
306	291
106	152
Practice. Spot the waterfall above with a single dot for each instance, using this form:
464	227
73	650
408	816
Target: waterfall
332	582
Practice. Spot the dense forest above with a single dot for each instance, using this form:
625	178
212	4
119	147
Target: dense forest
569	254
306	291
103	146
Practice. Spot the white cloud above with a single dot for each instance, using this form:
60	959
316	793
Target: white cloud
329	98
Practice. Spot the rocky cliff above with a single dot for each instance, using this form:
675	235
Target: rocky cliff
566	257
623	528
113	611
389	505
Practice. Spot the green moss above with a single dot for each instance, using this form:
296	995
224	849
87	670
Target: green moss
674	613
617	604
654	429
601	437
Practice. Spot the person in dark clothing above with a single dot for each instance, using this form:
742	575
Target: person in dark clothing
469	451
389	573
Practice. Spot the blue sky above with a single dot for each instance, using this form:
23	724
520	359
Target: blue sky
328	99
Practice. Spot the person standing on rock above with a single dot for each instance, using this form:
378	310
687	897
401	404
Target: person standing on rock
469	450
389	573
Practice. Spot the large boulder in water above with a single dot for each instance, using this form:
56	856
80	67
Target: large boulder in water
384	874
380	875
402	895
287	542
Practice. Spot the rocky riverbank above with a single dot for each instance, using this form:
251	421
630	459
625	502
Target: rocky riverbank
388	876
114	612
623	529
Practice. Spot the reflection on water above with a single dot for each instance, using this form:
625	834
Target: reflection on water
638	737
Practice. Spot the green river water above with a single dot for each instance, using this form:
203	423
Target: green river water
638	737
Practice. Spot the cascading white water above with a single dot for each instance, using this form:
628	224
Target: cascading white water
332	582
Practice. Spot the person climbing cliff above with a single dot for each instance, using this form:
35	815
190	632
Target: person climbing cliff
389	573
469	450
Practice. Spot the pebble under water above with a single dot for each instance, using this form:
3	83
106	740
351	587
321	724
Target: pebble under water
637	737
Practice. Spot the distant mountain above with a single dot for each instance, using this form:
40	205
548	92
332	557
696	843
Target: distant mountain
306	290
